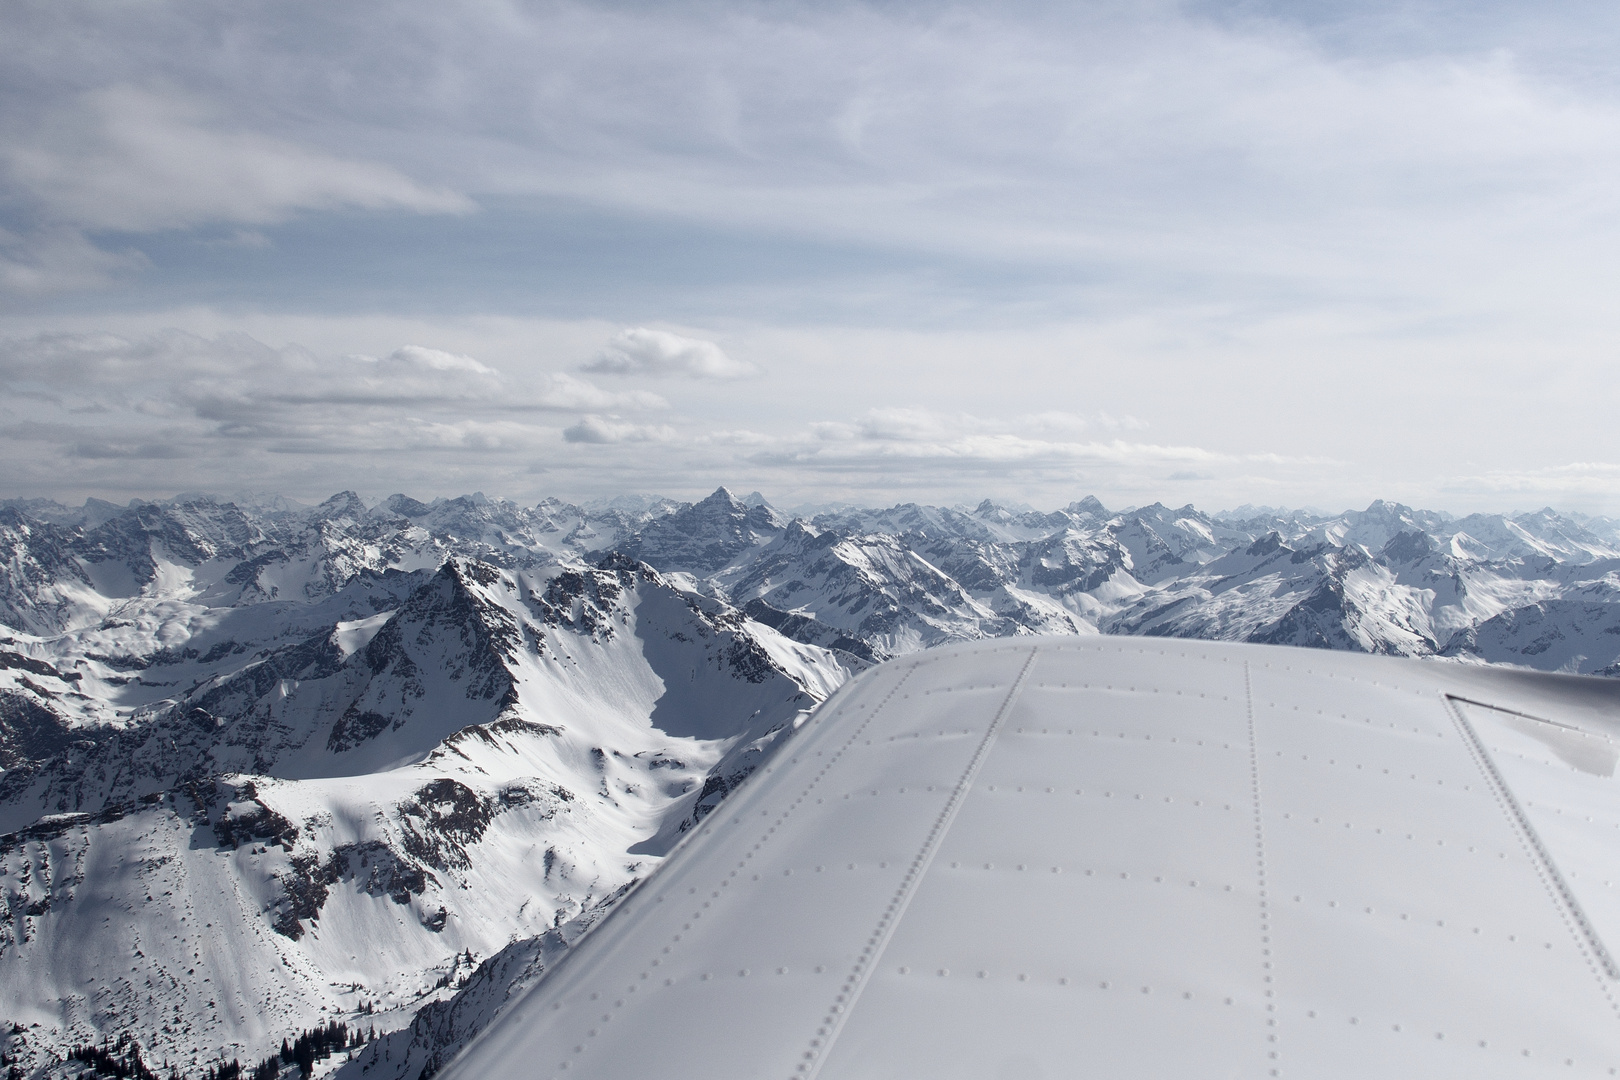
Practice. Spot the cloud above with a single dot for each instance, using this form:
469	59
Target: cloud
133	158
1231	146
899	452
86	405
90	365
421	358
909	425
658	353
100	449
989	450
610	429
215	377
1576	480
185	412
478	436
1243	222
564	392
900	424
57	259
219	405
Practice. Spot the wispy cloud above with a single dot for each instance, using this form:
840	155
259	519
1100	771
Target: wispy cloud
1577	480
921	439
1233	147
901	424
54	259
133	158
848	244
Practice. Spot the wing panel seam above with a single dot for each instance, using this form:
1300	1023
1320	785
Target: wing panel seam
1585	934
815	1056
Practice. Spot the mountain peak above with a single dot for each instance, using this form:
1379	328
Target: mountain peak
1089	505
405	506
343	504
1267	544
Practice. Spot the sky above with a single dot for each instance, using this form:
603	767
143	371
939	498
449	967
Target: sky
1287	254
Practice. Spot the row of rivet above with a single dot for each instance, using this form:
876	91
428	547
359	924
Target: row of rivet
832	1022
1260	868
1591	946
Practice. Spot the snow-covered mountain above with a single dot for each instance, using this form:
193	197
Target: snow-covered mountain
266	766
295	774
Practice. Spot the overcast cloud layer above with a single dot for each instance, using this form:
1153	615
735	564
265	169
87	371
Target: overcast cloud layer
1217	253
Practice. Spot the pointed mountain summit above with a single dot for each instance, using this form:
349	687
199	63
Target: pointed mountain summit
345	504
704	537
1091	507
405	506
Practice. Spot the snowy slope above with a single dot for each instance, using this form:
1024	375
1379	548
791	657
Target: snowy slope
1577	636
342	824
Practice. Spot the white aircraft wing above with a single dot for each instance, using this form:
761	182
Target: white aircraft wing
1118	857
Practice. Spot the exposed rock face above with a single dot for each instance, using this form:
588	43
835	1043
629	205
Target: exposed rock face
705	537
333	800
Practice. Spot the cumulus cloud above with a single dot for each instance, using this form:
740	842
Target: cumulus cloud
220	404
658	353
610	429
102	413
160	373
565	392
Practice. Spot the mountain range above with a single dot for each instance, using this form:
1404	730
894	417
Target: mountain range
265	767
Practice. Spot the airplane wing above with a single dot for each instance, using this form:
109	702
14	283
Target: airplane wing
1120	857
